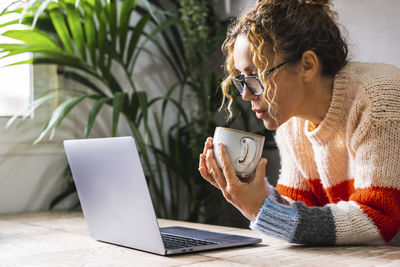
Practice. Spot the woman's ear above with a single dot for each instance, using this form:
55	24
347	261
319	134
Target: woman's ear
309	65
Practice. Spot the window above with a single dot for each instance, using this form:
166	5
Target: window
16	90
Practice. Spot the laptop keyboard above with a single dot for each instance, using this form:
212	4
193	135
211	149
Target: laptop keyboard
175	242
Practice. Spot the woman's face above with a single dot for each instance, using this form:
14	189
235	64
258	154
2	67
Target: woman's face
289	93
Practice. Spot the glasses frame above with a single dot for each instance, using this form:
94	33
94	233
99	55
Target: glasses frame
241	79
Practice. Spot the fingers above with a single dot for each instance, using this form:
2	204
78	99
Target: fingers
227	167
204	172
260	171
203	168
214	169
208	144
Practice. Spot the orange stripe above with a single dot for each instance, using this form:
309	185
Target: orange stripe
341	191
318	191
333	194
382	205
298	195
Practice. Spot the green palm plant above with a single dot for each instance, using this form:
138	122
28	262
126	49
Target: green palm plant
202	34
89	38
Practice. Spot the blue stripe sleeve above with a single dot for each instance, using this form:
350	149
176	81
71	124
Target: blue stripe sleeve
296	223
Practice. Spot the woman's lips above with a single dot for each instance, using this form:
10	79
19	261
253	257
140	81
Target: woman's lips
259	112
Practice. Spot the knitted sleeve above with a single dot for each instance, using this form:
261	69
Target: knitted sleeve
294	222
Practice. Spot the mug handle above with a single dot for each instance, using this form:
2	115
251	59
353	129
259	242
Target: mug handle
248	151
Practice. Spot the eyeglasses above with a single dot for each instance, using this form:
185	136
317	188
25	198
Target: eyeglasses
253	81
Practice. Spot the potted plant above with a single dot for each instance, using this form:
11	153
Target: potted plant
89	37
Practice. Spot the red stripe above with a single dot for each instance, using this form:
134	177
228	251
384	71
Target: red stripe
341	191
382	205
319	196
318	191
333	194
298	195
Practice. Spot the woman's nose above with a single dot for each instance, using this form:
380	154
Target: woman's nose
247	94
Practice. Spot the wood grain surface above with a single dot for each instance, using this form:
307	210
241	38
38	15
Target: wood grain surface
62	239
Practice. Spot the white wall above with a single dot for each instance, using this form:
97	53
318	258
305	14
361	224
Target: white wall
31	175
373	27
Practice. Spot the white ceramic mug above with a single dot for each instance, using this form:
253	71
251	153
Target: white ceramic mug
244	149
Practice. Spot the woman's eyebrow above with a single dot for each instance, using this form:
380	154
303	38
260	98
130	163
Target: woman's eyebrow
249	68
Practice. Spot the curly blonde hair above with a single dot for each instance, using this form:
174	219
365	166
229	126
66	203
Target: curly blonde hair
288	28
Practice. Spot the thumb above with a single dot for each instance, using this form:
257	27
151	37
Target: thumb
260	170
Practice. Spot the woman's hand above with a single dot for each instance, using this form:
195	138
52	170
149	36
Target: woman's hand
247	196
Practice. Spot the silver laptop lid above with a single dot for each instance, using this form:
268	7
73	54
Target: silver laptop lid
113	192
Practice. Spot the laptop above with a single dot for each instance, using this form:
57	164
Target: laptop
117	206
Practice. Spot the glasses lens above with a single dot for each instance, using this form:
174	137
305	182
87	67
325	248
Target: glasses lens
238	85
254	85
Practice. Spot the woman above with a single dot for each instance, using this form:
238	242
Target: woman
338	129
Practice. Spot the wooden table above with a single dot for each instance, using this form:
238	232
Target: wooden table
62	239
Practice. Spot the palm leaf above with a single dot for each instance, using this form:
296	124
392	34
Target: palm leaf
41	8
159	29
133	106
15	49
58	21
102	36
165	102
126	10
58	58
74	23
112	81
84	81
90	31
111	11
32	37
58	115
98	6
43	23
176	36
70	189
26	8
177	68
165	99
34	105
178	51
144	108
65	111
135	37
93	114
148	8
118	103
181	110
